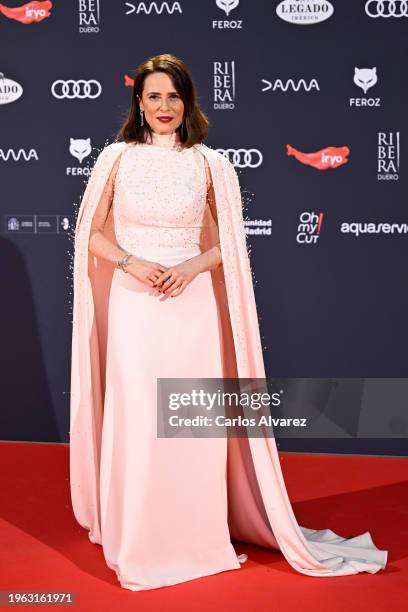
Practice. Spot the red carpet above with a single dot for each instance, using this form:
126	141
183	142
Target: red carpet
44	549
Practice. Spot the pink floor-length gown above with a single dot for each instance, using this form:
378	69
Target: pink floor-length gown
163	500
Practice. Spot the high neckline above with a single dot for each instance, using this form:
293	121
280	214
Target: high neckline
166	141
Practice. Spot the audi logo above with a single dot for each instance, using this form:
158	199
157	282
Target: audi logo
386	8
76	89
243	158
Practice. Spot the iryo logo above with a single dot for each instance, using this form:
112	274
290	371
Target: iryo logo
329	157
310	225
32	12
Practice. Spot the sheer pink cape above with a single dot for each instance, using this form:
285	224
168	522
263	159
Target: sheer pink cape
259	508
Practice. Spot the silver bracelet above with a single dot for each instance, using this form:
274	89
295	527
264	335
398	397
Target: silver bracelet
122	263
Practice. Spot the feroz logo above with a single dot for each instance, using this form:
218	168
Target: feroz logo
224	85
243	158
309	228
227	5
388	156
148	7
227	24
10	90
89	16
386	8
329	157
304	12
365	78
32	12
278	85
76	89
80	148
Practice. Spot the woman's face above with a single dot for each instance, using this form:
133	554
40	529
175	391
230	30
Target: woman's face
160	99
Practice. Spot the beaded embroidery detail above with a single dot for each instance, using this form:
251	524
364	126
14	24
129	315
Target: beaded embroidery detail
160	197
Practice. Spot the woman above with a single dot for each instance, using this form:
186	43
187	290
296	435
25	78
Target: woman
163	289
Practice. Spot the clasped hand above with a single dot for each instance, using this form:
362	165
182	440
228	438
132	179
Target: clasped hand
170	281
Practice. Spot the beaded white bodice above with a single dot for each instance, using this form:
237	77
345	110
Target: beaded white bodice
160	197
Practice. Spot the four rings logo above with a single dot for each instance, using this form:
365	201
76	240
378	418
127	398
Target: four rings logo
386	8
76	89
243	158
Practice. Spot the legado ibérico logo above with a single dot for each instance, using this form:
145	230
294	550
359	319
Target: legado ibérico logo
304	12
329	157
10	90
31	12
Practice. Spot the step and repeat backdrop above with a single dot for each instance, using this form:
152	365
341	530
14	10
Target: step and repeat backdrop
308	100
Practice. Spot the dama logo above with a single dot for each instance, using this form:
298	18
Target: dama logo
329	157
32	12
12	155
279	85
152	7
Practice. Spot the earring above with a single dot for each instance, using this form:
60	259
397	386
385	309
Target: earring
141	117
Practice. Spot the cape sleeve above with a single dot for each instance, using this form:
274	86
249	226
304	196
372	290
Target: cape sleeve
91	280
237	270
259	507
92	183
105	201
209	236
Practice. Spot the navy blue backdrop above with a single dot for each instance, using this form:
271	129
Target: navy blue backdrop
307	98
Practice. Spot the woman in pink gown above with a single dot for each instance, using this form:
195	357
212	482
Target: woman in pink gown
164	513
163	500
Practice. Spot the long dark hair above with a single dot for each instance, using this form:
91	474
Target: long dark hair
194	127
